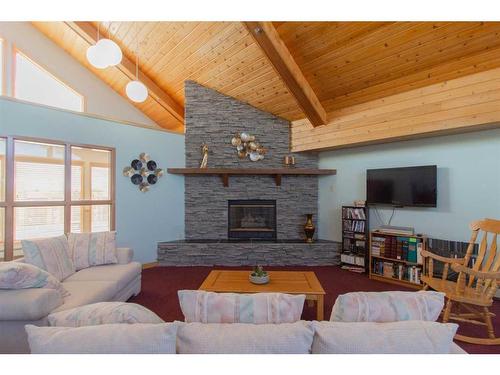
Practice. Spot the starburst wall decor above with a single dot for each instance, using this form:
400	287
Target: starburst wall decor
143	172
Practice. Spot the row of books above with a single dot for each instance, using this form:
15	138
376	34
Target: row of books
353	213
354	246
352	235
400	248
354	225
397	271
352	259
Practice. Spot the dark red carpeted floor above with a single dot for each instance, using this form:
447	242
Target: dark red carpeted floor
160	286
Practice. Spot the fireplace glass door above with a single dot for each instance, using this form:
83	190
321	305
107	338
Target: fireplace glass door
252	219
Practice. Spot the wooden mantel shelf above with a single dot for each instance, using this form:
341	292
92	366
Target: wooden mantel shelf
224	173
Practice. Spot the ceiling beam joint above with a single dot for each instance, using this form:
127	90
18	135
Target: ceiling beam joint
266	36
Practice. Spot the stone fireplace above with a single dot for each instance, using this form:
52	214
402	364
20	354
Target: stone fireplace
253	219
211	228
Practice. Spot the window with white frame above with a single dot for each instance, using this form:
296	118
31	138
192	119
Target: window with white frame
33	83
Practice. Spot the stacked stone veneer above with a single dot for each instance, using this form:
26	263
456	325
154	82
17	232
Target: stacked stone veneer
180	253
213	118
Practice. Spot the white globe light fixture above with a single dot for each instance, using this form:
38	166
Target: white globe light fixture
136	91
95	58
104	53
110	51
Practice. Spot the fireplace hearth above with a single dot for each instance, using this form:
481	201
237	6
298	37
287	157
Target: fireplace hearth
251	219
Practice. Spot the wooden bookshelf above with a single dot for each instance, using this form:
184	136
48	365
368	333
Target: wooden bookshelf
396	248
355	238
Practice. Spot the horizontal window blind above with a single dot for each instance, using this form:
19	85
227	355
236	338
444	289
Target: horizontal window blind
37	204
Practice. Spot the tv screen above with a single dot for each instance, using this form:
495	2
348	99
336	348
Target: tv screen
410	186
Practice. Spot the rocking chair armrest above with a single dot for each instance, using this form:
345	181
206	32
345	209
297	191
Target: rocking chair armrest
427	254
477	274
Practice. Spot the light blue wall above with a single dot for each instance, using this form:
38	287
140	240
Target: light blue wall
142	219
468	183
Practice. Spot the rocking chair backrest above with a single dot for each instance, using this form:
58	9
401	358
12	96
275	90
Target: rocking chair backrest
488	258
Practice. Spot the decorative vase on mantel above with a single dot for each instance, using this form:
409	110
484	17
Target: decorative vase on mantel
309	228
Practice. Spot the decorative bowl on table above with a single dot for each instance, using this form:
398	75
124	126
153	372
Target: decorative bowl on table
259	276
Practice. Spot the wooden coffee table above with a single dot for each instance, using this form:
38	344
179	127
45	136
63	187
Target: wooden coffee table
291	282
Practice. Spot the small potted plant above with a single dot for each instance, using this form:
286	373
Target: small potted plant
259	276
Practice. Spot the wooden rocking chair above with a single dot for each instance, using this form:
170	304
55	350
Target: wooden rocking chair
469	297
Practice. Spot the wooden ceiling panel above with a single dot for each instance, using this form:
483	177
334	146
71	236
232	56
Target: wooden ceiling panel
345	63
379	58
401	63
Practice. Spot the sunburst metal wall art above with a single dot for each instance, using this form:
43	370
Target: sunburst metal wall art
143	172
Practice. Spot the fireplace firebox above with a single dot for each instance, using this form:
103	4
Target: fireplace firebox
252	219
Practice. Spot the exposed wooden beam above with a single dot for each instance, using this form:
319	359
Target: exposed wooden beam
88	32
283	62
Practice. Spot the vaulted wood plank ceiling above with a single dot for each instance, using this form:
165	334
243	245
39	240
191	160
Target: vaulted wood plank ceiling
345	63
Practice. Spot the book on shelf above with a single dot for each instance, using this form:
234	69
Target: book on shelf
412	249
353	213
354	259
419	252
388	269
354	225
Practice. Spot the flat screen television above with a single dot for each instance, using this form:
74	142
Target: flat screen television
409	186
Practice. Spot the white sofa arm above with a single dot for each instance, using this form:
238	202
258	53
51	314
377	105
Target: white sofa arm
28	304
124	255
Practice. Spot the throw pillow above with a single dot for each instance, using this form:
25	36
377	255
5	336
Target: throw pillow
258	308
409	337
103	313
387	306
238	338
49	254
103	339
92	249
18	275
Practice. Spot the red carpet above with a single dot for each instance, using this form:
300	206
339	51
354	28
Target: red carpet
160	286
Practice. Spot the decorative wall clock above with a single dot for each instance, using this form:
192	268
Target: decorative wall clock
143	172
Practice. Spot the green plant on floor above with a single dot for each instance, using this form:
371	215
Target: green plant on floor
259	272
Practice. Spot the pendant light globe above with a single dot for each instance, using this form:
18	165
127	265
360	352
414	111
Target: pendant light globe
96	58
136	91
110	51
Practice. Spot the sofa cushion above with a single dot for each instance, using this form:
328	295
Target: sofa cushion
18	275
407	337
85	292
259	308
49	254
104	339
387	306
240	338
103	313
28	304
92	249
122	274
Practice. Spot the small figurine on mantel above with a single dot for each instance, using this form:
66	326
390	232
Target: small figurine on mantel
204	152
